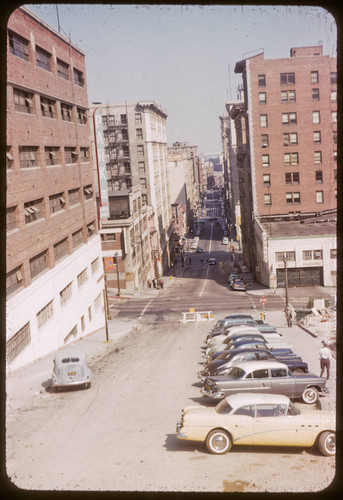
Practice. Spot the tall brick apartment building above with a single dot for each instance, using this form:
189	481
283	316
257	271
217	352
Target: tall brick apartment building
54	276
286	143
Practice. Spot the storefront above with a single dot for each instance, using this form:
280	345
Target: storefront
300	277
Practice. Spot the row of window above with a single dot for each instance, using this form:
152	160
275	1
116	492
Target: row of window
289	78
112	120
293	158
291	118
290	96
294	178
29	103
122	151
37	209
20	47
306	254
291	138
31	156
15	279
114	136
294	198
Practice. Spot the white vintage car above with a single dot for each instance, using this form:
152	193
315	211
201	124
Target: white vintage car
257	419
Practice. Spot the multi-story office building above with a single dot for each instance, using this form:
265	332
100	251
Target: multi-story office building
286	139
135	154
54	275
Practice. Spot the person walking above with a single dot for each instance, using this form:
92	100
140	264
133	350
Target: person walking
324	358
161	284
154	282
288	314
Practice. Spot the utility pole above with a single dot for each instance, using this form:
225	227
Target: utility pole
286	279
115	259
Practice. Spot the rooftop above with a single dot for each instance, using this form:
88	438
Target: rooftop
300	229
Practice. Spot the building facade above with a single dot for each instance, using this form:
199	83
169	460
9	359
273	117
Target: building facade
54	280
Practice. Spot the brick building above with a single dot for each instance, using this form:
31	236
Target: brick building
54	280
286	139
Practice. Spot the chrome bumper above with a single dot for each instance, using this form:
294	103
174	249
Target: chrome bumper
213	395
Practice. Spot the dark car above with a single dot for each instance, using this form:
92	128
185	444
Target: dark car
238	285
220	366
221	328
269	377
245	344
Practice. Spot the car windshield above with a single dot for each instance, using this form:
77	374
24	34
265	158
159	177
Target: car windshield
235	372
223	407
292	410
224	355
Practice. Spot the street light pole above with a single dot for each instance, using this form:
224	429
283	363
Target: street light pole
286	279
115	258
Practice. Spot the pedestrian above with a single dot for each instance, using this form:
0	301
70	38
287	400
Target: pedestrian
161	284
325	357
288	314
154	282
149	283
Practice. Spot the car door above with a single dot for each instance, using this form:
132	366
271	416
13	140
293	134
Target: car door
282	383
272	426
261	381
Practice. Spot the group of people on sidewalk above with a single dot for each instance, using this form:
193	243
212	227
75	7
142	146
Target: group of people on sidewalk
156	283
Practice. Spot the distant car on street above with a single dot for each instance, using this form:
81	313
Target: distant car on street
211	261
238	285
71	369
199	250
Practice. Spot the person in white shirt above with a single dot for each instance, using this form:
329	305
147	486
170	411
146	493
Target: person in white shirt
325	357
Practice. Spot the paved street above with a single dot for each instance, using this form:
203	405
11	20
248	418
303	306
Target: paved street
120	434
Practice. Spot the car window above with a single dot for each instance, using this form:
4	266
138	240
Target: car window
271	410
263	355
235	372
263	373
223	407
245	410
292	410
249	356
279	372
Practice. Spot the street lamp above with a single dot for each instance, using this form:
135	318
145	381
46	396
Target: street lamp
286	279
115	259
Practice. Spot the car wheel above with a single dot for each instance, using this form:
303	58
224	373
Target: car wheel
218	442
327	444
310	395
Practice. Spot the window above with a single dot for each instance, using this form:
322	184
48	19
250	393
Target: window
123	119
43	58
141	167
78	78
267	199
262	96
39	264
71	334
65	294
81	116
315	94
314	77
264	140
333	96
45	313
317	137
319	196
335	156
265	161
278	372
111	120
280	256
74	196
52	155
47	107
138	118
288	96
292	198
334	136
19	46
312	254
90	229
28	156
266	180
62	69
245	410
14	280
144	199
104	121
70	155
290	138
56	202
98	301
264	120
17	343
317	157
262	373
142	182
291	158
23	101
333	253
33	210
261	80
292	178
289	118
139	133
84	155
334	116
307	254
61	249
77	239
66	111
140	150
125	134
126	150
95	265
82	277
9	157
88	192
333	77
11	218
315	116
89	313
286	78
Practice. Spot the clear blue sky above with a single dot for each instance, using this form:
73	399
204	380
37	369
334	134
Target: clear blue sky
180	55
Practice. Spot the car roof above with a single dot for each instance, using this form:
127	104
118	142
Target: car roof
250	366
239	399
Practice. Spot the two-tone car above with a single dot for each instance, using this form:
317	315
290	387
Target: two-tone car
257	419
226	344
251	344
268	377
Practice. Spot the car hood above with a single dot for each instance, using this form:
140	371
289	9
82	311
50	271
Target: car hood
199	415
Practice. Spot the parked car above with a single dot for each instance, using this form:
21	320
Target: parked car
228	343
231	339
221	364
257	419
219	337
247	344
225	240
229	320
211	261
71	369
199	250
267	377
238	285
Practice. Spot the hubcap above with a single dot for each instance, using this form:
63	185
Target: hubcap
310	395
219	442
331	443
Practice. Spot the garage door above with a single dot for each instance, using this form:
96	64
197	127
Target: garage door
300	277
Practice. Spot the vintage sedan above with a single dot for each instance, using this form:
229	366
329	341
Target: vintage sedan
226	344
243	330
238	285
269	377
246	344
257	419
71	369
